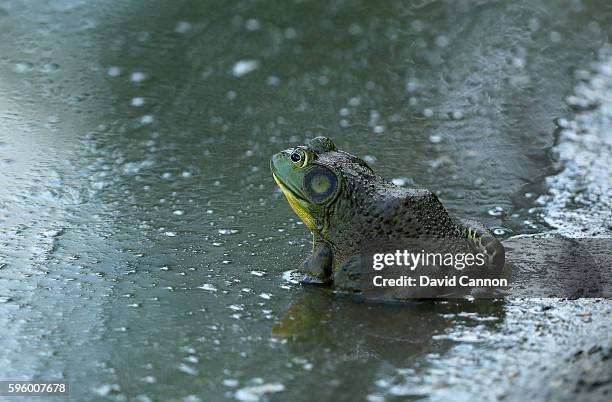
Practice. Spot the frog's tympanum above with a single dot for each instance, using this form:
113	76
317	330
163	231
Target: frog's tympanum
346	205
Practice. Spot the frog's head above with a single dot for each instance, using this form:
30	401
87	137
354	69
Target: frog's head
312	176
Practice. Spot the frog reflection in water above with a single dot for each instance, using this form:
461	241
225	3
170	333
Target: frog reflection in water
346	205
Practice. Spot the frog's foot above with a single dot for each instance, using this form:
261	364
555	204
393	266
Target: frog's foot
316	269
349	278
483	241
310	279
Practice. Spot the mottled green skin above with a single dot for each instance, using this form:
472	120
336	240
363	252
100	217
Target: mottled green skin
366	208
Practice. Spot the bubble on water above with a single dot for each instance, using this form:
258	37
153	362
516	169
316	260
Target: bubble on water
187	369
147	119
207	286
441	41
518	62
266	296
354	101
244	67
534	24
50	67
53	119
370	159
138	77
435	138
137	101
427	112
106	389
379	129
255	393
412	85
258	273
227	231
170	234
344	112
417	25
499	231
400	181
178	212
135	167
230	382
192	359
496	211
561	122
252	24
355	29
290	33
236	307
23	67
185	174
182	27
231	95
457	115
555	36
273	81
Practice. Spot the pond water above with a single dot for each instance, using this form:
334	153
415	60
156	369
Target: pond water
143	240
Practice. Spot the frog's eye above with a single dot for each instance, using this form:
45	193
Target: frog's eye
300	157
296	157
320	184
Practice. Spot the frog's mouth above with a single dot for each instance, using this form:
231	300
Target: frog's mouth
297	203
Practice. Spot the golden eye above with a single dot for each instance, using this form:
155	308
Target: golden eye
296	157
299	157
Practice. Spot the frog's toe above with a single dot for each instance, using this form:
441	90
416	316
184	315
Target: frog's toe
310	279
494	251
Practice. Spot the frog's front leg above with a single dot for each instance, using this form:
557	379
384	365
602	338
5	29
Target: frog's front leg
317	268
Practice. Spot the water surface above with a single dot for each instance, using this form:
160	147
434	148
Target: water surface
144	241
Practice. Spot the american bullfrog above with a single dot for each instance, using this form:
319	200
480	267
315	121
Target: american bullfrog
345	205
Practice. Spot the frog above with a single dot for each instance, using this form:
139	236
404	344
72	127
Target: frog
346	205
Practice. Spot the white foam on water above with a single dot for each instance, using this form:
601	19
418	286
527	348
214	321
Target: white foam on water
578	202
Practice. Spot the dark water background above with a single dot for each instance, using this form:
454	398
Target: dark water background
143	241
